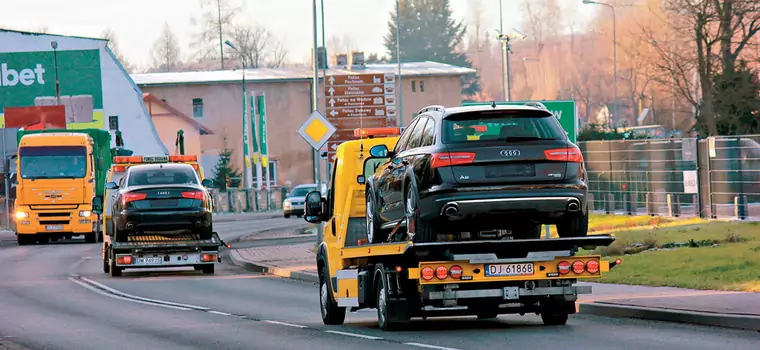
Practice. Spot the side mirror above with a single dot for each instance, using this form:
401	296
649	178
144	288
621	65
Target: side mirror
379	151
111	186
314	207
361	180
97	205
208	183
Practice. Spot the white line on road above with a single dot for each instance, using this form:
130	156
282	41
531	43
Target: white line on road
130	296
428	346
72	279
285	324
219	313
354	335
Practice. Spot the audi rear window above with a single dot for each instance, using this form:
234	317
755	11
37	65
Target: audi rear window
508	126
163	176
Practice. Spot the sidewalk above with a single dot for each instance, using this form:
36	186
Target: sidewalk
740	310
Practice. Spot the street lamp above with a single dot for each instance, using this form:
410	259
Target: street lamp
506	48
615	115
246	158
54	45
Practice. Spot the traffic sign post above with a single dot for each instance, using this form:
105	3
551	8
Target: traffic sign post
316	130
566	113
358	101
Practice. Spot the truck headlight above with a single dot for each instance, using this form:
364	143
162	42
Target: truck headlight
21	215
85	213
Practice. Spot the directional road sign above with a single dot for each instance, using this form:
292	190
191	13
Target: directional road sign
359	100
316	130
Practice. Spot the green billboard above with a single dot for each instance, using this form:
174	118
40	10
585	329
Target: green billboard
564	111
28	79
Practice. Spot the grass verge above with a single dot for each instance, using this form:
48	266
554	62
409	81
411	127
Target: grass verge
711	255
604	224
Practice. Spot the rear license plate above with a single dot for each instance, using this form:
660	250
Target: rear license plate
501	270
513	170
163	203
54	227
149	261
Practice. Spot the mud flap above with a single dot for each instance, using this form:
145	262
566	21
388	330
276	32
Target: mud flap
348	288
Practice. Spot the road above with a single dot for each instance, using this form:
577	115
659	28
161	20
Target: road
56	297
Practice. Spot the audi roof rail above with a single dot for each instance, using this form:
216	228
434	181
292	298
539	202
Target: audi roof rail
433	108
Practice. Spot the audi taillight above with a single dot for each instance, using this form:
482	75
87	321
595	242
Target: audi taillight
131	197
451	158
193	195
563	267
579	267
428	273
455	272
441	272
592	266
571	154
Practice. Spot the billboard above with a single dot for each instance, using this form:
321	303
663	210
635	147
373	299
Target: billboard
28	79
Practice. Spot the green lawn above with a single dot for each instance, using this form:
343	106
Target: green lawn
605	224
728	256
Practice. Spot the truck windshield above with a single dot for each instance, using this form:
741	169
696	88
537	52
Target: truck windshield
52	162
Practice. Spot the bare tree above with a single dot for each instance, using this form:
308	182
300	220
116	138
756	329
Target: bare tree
43	29
278	56
216	20
113	45
338	45
253	42
166	51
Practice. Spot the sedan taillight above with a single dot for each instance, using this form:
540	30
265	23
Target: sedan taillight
193	195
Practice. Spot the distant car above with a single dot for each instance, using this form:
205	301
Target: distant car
164	198
293	204
479	173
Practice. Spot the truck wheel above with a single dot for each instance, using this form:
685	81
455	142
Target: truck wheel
106	266
387	318
554	313
90	237
113	270
573	226
208	269
422	231
332	314
374	233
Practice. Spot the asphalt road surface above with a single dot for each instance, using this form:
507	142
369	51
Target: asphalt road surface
56	297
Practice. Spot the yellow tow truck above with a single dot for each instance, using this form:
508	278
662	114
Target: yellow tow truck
403	280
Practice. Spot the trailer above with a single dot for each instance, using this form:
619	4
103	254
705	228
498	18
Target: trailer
161	251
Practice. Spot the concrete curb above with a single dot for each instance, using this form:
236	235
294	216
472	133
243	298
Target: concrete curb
277	271
247	216
744	322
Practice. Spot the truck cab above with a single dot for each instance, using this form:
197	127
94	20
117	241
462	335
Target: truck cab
56	186
403	279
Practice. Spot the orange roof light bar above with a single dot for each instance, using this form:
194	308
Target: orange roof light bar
155	159
369	132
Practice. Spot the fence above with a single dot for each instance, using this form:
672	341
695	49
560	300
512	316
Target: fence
711	178
237	201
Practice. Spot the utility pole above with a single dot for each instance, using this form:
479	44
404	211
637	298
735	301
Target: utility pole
221	46
400	113
315	104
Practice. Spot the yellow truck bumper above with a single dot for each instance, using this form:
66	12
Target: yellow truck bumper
54	221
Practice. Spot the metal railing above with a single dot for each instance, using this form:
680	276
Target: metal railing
238	201
711	178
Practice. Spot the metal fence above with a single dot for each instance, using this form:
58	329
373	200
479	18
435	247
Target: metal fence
711	178
238	201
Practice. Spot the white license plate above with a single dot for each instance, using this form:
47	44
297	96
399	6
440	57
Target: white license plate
149	261
54	227
500	270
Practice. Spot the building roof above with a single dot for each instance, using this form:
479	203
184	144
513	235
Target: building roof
153	99
3	30
410	69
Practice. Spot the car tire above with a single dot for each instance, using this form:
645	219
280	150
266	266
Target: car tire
332	314
573	226
527	231
423	231
287	216
374	232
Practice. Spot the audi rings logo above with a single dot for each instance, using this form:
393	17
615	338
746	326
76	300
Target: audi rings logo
510	152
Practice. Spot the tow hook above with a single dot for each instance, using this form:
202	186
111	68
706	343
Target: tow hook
617	261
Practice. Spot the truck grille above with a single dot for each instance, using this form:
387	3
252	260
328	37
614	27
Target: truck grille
54	222
47	215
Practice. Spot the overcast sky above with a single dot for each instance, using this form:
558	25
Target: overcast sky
136	23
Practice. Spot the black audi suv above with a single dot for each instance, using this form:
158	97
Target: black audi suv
478	173
161	198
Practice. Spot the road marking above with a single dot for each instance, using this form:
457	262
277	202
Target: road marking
101	292
355	335
219	313
134	297
285	324
428	346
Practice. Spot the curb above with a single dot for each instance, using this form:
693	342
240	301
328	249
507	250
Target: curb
744	322
242	217
277	271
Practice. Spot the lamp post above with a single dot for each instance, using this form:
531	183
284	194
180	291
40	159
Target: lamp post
615	115
315	105
246	156
54	45
506	47
504	60
400	113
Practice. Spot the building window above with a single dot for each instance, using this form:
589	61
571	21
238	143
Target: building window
272	175
113	122
414	85
422	86
198	108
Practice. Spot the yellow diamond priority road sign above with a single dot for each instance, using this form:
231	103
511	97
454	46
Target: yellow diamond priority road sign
316	130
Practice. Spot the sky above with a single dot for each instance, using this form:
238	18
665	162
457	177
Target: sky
137	23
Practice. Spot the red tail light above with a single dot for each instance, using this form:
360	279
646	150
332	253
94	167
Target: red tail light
131	197
579	267
441	272
571	154
451	158
193	195
428	273
563	267
455	272
592	266
124	260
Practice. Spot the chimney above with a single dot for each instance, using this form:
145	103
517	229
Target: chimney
357	60
321	58
341	60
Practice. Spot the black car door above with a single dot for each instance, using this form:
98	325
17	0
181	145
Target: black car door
385	178
398	166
